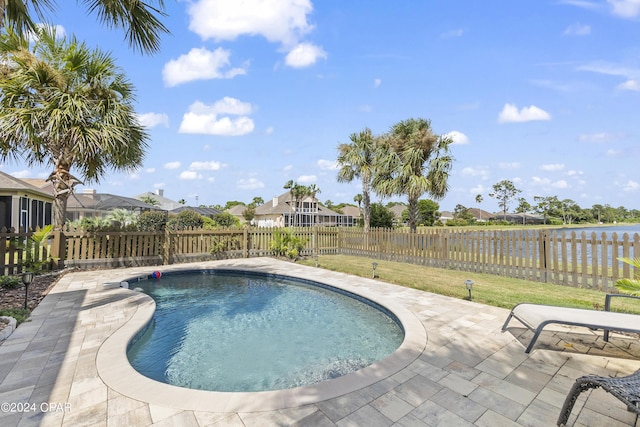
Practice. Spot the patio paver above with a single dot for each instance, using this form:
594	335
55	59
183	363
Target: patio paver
465	372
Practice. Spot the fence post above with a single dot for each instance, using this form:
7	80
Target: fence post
315	240
543	256
245	243
58	250
166	248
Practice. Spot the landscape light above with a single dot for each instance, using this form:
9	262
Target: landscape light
27	278
316	258
374	264
469	284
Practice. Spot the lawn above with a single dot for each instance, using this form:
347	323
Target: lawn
488	289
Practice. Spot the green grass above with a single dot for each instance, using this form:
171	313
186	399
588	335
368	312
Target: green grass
488	289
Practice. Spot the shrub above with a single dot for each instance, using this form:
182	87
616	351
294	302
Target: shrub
152	221
10	282
285	243
185	220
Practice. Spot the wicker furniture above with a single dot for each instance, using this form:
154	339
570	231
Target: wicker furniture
626	389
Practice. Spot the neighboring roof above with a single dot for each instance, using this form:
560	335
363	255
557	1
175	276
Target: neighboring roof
42	184
282	206
11	183
237	210
103	201
351	210
164	203
397	210
202	211
480	213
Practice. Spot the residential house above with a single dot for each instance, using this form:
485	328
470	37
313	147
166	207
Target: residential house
163	202
23	205
90	204
282	211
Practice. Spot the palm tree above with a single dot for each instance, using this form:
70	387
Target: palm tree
69	107
139	19
357	160
413	161
289	185
478	201
312	191
150	200
298	191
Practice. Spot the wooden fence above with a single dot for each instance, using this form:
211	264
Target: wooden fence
588	260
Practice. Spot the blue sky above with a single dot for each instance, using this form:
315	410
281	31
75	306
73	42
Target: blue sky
246	95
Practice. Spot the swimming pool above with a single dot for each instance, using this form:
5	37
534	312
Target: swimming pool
236	331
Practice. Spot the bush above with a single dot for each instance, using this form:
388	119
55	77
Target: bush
152	221
20	314
284	243
185	220
10	282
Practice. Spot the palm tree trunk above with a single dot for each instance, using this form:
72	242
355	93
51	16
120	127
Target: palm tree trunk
413	214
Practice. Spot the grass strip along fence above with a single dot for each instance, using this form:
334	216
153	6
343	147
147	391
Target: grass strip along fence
580	260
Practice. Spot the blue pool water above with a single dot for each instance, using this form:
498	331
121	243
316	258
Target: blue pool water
230	331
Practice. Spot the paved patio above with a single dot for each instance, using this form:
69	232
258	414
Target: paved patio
457	368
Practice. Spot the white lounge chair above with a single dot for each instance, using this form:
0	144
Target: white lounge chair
536	316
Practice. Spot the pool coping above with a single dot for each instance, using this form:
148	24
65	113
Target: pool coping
115	370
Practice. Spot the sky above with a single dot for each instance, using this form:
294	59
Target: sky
247	95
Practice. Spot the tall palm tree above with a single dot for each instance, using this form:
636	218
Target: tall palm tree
69	107
413	161
313	190
478	201
289	185
139	19
357	160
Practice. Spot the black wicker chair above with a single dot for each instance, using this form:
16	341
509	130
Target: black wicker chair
626	389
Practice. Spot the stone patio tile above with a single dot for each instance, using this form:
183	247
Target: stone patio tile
435	415
462	370
428	370
461	406
87	416
504	388
493	419
182	419
159	413
136	417
340	407
539	413
316	419
218	419
392	406
590	418
417	390
365	416
458	384
529	378
497	403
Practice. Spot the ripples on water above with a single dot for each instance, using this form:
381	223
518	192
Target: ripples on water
227	332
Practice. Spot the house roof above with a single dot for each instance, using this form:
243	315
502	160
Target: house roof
397	210
11	183
282	205
164	203
237	210
202	211
351	210
104	202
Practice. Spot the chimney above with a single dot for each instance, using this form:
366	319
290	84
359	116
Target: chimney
275	202
89	192
160	192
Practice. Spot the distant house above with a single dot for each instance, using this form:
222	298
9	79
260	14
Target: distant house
518	218
89	204
282	211
23	205
163	202
397	211
238	212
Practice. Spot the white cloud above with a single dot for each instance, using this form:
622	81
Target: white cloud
304	179
551	167
328	164
304	54
509	165
577	30
560	184
633	85
481	171
199	64
377	82
283	21
203	119
249	184
458	32
631	186
59	30
287	168
208	166
536	180
510	113
172	165
600	137
625	8
150	120
458	138
189	175
150	170
613	153
22	174
160	185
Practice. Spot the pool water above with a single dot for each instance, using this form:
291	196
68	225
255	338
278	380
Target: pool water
234	331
